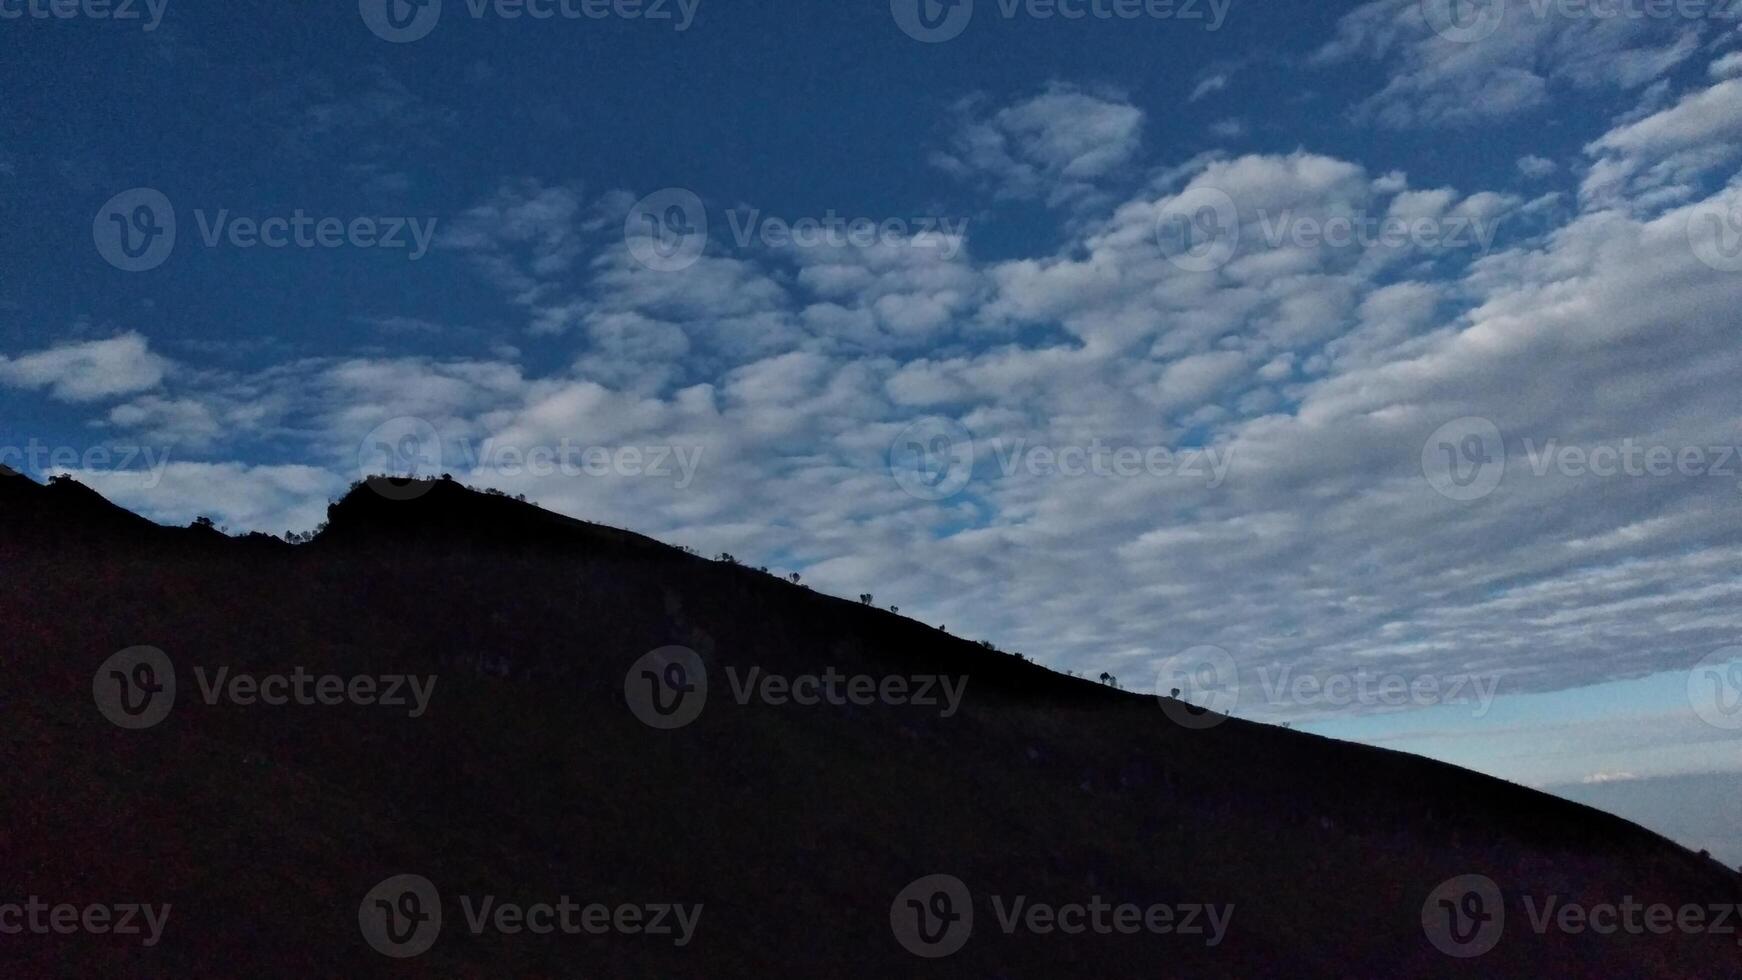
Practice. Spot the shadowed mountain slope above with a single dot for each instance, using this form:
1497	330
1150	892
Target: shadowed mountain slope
529	776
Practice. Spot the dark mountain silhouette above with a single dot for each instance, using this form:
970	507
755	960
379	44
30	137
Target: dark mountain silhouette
529	777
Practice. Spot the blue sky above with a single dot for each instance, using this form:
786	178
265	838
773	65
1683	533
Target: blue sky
1356	340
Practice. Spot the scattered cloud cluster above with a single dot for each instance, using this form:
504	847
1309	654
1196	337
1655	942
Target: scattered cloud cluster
1056	147
1532	52
1316	368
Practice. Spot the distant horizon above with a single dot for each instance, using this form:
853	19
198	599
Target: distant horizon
1700	813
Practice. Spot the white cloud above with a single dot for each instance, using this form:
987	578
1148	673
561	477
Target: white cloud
370	120
1534	167
86	371
1519	67
1209	86
168	420
1055	146
1704	116
1661	157
1228	129
528	239
273	499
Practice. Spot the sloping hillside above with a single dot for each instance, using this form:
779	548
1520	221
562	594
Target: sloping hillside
526	774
